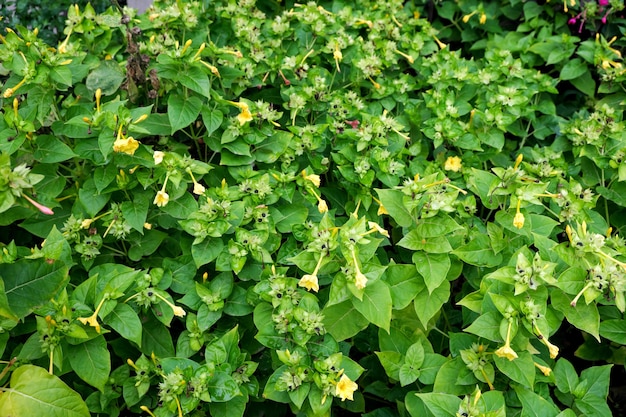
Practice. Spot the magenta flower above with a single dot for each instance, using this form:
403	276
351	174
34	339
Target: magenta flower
603	2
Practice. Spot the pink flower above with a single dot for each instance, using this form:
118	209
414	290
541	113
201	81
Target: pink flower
572	21
41	207
603	2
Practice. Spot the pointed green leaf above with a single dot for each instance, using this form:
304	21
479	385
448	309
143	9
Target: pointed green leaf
30	283
584	316
182	111
124	320
521	370
343	320
34	392
375	305
433	267
427	305
91	361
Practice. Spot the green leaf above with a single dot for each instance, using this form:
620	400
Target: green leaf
593	406
222	387
212	119
124	320
155	338
30	283
91	361
585	83
614	330
410	369
195	79
414	241
487	325
182	207
273	147
436	226
584	316
62	75
428	304
35	392
574	68
375	305
433	267
565	376
206	251
391	362
404	283
343	320
288	217
432	404
598	379
235	407
521	370
50	149
135	212
393	201
108	77
479	252
182	111
534	405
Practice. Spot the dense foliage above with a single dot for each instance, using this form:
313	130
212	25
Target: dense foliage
393	209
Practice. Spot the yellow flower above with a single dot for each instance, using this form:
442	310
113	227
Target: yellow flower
322	207
86	224
360	280
245	115
554	350
162	198
453	163
483	19
93	319
158	157
506	352
544	369
314	178
198	188
376	226
178	311
127	146
147	226
309	282
518	220
345	388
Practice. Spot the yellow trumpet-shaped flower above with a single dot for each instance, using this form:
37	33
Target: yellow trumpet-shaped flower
158	157
506	351
126	145
544	369
93	319
314	178
518	220
161	199
345	388
178	311
245	115
309	281
360	280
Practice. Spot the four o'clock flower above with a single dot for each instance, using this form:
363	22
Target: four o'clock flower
345	388
506	351
162	198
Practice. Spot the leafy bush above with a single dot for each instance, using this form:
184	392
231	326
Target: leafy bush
227	209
